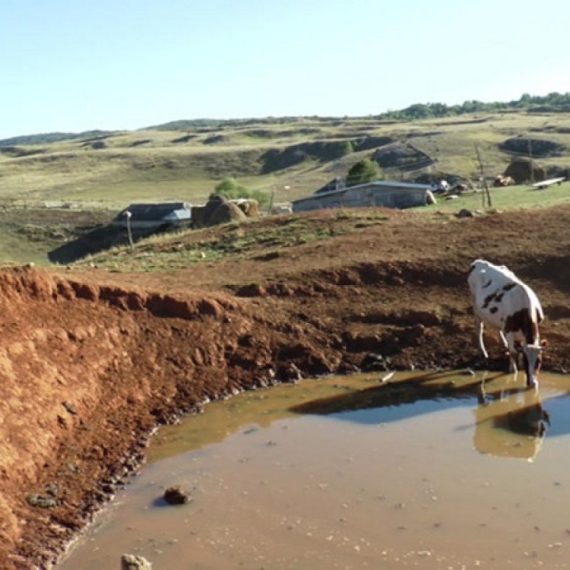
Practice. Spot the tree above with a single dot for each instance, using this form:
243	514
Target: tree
363	171
346	148
231	189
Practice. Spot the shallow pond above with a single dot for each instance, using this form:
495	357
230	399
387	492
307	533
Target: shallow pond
421	470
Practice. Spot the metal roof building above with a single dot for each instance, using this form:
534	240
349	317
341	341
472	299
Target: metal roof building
378	193
155	215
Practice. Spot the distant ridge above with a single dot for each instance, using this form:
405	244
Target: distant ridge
47	138
215	123
553	102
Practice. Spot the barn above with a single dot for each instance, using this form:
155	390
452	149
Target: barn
381	193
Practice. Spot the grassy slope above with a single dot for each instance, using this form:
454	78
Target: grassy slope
512	198
110	172
163	165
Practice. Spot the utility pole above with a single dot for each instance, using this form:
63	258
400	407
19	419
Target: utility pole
129	231
530	161
487	193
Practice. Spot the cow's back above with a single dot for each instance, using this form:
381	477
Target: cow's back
498	293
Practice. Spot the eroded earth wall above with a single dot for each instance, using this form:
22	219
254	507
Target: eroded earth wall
85	372
88	366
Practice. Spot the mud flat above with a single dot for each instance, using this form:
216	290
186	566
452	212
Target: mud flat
420	469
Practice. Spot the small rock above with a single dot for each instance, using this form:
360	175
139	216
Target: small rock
175	496
132	562
70	408
289	373
42	501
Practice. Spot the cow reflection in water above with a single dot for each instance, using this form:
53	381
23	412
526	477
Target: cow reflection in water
510	422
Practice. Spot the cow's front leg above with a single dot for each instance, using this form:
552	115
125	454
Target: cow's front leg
512	346
479	329
513	357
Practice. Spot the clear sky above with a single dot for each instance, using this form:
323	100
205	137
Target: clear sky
76	65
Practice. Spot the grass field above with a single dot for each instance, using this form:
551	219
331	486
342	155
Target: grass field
284	158
156	164
510	198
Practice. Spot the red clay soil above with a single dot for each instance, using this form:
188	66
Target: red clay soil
92	361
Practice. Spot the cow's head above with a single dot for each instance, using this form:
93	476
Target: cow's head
532	359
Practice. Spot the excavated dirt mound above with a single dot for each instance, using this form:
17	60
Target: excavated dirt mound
91	360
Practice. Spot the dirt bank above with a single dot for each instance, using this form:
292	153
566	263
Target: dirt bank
91	360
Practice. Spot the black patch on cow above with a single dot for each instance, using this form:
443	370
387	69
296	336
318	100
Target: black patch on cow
509	286
522	321
488	299
471	268
499	297
493	310
488	284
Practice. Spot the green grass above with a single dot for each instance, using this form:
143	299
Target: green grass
510	198
172	251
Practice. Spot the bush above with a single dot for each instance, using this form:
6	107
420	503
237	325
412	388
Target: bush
363	171
231	189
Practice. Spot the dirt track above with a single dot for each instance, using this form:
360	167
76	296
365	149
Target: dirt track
91	361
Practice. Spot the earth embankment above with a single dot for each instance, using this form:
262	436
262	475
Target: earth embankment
92	361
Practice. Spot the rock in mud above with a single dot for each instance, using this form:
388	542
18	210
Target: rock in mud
176	496
132	562
42	501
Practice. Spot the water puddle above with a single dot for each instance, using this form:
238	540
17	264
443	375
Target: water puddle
415	471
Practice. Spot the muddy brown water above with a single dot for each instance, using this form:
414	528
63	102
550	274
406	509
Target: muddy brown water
414	471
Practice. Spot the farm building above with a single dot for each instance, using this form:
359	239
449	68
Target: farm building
148	216
379	193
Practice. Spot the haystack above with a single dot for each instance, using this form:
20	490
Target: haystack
218	210
524	170
249	207
224	213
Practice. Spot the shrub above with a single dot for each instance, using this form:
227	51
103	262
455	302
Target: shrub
231	189
364	170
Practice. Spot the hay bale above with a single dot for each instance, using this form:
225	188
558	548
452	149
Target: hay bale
198	216
218	210
249	206
225	212
524	169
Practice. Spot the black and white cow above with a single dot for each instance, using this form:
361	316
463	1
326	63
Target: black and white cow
502	301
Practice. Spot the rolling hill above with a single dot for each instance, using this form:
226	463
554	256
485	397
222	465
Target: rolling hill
101	172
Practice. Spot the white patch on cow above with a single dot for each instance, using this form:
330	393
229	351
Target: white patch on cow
502	301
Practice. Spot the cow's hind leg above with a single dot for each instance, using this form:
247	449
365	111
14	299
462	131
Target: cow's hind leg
504	339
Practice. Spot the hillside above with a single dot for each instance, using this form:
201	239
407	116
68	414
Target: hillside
64	187
292	157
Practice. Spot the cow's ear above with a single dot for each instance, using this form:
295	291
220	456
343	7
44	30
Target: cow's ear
543	344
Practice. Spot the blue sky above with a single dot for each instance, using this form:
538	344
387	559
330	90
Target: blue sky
76	65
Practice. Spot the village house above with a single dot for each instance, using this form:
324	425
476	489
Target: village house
380	193
155	216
